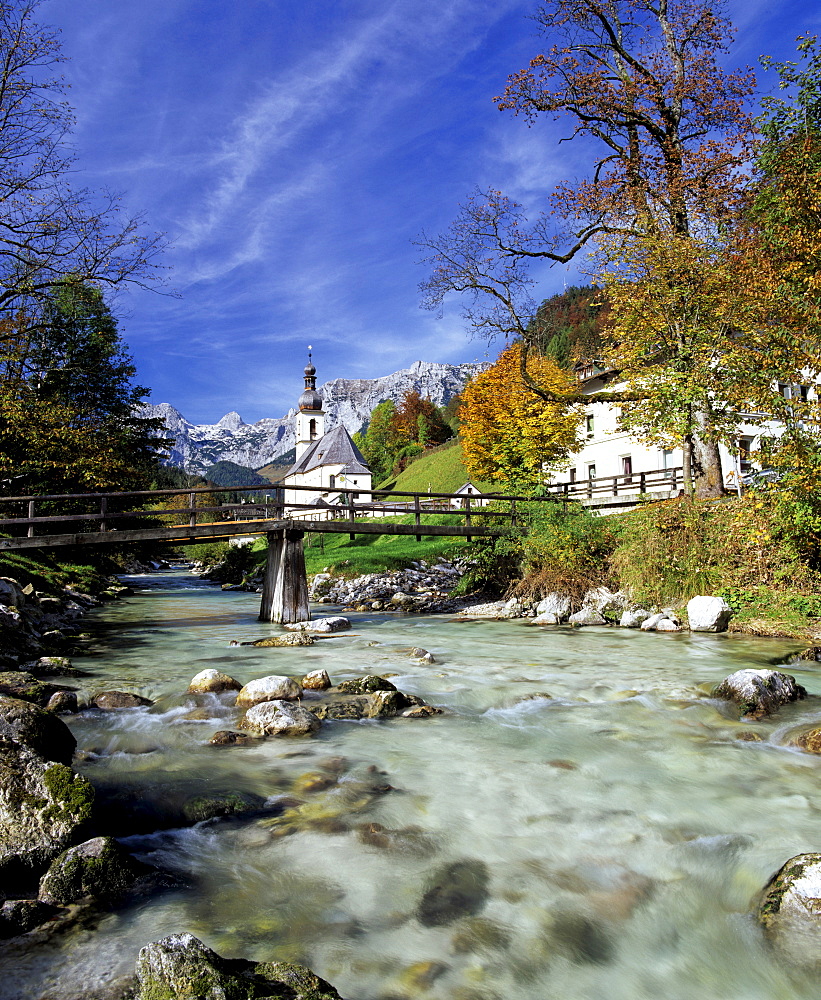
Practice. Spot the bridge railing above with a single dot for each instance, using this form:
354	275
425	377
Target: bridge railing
659	481
106	512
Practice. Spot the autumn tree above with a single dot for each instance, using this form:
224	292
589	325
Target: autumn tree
668	132
786	211
508	435
695	326
52	233
419	421
787	191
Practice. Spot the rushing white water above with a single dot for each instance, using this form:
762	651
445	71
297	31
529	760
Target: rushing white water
624	827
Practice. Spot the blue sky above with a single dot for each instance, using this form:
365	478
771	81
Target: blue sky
291	150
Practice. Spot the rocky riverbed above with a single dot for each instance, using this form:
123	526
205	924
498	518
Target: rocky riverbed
579	810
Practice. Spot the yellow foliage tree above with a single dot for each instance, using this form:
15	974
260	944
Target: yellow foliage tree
508	434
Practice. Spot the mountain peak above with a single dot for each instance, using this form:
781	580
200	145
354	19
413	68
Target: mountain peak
346	401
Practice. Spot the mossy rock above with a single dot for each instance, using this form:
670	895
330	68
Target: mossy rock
203	807
18	916
44	807
343	708
25	686
181	967
385	704
290	639
99	868
790	911
365	685
40	730
759	692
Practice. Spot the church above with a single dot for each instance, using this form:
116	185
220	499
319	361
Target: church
324	461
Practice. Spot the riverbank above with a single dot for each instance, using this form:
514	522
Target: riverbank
760	553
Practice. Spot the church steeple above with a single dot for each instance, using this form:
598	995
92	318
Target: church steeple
310	418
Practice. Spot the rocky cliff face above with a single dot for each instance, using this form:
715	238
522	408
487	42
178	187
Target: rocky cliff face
346	401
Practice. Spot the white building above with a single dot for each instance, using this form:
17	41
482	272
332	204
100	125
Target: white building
610	461
325	462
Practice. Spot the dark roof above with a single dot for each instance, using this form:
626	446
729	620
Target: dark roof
333	448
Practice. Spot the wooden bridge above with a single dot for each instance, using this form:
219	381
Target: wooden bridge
69	520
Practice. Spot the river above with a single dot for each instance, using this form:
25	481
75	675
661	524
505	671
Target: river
622	827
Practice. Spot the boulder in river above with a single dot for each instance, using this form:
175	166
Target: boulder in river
17	916
790	910
99	868
708	614
289	639
112	701
63	703
212	681
38	729
274	687
23	685
321	625
218	804
181	967
365	685
458	889
317	680
759	692
280	718
52	666
43	808
418	653
810	741
228	738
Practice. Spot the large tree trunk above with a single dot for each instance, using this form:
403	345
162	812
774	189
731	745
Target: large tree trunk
707	475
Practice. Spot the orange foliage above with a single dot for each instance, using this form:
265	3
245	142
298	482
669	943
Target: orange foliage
508	434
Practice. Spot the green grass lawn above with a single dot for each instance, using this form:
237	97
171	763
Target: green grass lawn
375	553
440	470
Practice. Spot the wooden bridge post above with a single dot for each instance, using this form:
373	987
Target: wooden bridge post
285	584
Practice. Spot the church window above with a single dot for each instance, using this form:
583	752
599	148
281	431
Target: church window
332	482
312	429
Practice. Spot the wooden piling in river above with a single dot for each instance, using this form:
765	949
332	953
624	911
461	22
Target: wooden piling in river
285	584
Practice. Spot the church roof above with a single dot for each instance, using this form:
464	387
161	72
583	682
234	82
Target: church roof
333	448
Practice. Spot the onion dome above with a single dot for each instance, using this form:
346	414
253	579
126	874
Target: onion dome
310	398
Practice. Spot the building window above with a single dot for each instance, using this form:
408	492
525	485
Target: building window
589	425
745	446
573	475
591	471
667	462
332	482
312	429
627	467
